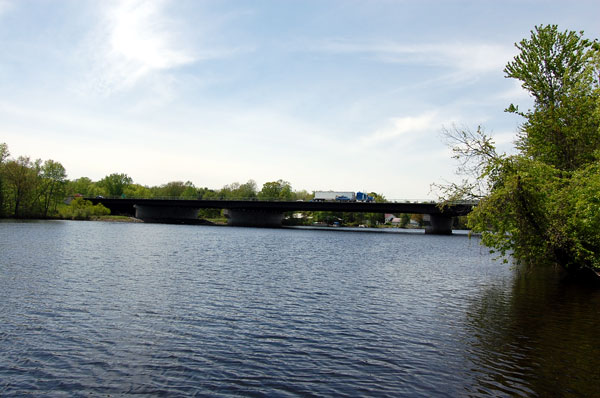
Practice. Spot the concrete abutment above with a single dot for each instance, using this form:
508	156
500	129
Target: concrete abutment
254	218
167	214
439	225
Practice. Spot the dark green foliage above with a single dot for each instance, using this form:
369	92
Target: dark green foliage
30	188
560	71
81	209
82	186
53	180
276	190
542	205
171	190
115	184
237	191
4	154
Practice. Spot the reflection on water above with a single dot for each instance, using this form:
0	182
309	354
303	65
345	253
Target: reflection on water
538	338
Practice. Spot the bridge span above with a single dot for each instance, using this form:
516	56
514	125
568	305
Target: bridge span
259	213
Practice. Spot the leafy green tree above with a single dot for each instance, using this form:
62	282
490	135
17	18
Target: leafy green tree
303	195
52	185
138	191
176	189
404	220
239	191
83	186
276	190
115	184
81	209
378	198
79	186
4	153
247	190
541	205
207	194
20	176
560	71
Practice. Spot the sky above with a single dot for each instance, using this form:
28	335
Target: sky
325	94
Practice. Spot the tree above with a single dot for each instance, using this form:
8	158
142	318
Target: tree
303	195
20	176
377	197
52	186
177	189
207	194
81	209
404	220
542	204
83	186
239	191
276	190
137	191
115	184
246	191
559	70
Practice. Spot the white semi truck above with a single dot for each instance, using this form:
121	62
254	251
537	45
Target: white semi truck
341	196
323	196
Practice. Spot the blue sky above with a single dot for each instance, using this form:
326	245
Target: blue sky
342	95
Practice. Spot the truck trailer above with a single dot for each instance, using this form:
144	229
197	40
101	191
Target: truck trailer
341	196
324	196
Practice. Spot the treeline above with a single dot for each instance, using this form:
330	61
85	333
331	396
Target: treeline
41	189
30	188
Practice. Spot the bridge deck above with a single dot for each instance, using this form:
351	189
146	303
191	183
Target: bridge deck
283	206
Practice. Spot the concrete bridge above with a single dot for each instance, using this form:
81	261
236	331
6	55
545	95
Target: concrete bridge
258	213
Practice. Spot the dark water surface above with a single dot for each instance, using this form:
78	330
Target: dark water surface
109	309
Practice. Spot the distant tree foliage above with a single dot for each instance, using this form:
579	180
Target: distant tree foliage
542	205
237	191
172	190
53	180
3	155
81	209
115	184
82	186
40	189
30	188
276	190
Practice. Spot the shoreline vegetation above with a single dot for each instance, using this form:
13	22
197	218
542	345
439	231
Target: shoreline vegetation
539	205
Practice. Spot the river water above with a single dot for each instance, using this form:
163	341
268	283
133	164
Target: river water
117	309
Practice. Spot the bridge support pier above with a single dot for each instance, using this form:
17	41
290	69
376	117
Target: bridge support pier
167	214
439	225
254	218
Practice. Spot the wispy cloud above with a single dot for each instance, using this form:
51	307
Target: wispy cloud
402	126
466	57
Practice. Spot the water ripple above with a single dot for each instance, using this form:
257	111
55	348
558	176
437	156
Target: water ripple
96	309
